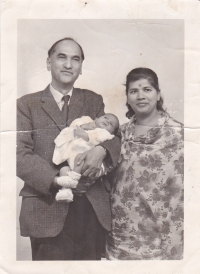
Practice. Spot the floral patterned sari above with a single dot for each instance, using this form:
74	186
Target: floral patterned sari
147	194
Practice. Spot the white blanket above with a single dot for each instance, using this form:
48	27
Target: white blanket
67	146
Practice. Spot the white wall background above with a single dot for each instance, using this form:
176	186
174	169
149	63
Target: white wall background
112	48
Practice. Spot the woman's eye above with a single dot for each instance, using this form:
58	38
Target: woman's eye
132	91
147	89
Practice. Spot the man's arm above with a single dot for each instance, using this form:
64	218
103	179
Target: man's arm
112	147
31	168
109	154
109	151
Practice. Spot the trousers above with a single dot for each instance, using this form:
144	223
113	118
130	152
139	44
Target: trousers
82	236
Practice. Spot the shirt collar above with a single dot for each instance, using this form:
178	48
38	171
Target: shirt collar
57	95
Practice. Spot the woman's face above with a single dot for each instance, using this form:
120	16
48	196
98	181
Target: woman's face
142	97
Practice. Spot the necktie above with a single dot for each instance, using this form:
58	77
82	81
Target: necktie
65	107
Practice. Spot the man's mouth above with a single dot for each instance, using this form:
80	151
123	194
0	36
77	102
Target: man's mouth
66	72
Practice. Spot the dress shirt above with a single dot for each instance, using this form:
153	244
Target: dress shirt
57	95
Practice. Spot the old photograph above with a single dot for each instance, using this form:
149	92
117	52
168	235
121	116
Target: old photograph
100	154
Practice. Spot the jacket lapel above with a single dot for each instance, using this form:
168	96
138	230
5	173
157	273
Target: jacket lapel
52	109
76	105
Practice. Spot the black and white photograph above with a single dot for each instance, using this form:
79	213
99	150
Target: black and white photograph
100	137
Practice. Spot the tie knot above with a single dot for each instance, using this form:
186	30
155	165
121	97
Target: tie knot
66	99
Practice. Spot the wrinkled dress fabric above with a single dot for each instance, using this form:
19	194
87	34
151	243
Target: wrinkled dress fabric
147	194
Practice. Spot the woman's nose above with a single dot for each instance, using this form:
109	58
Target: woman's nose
140	95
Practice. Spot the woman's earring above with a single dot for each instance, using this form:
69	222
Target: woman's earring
48	68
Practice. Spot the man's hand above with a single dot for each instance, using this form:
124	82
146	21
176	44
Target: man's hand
80	133
83	185
92	161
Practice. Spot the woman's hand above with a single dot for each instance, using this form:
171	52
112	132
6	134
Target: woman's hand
92	162
80	133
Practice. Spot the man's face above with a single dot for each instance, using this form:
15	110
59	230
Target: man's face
65	64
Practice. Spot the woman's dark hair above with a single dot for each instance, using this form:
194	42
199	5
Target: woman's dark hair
143	73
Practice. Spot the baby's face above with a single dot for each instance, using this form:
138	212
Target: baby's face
108	122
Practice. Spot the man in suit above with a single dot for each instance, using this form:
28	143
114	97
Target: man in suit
57	230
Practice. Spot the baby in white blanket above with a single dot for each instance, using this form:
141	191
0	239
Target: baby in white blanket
82	135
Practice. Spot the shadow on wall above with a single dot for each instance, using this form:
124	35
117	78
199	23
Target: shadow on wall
23	243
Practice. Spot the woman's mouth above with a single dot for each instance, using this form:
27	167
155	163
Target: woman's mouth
141	104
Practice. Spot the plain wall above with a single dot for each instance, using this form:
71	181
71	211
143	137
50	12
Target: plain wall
112	48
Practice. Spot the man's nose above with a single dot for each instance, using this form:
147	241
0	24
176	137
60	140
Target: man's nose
68	63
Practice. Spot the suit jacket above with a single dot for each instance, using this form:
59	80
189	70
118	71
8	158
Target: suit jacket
39	121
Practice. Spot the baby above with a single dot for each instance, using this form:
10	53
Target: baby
82	135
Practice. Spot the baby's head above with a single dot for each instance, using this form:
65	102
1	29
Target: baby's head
109	122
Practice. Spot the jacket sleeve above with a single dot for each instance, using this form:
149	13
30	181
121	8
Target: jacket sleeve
113	147
31	168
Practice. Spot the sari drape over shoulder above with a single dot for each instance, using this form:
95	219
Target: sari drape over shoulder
147	194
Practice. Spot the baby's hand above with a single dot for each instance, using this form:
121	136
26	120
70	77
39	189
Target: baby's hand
89	126
80	133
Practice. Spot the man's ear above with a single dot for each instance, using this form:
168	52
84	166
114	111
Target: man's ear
48	64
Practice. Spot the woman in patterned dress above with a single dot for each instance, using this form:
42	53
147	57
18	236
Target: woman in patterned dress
147	192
